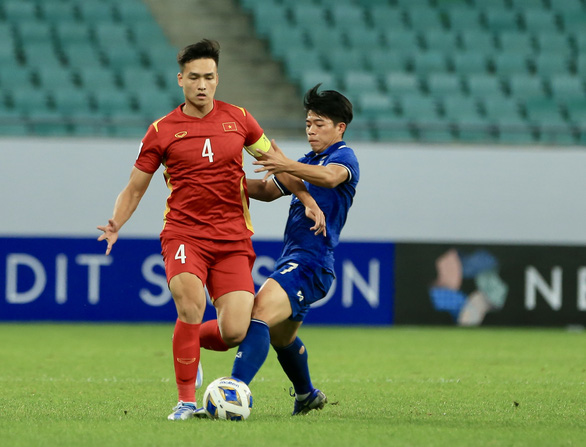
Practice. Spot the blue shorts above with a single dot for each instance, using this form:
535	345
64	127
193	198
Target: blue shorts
303	284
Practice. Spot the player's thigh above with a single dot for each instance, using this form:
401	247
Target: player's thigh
234	310
284	333
271	305
189	296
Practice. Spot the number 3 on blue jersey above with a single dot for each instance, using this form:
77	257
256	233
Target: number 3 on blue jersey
293	266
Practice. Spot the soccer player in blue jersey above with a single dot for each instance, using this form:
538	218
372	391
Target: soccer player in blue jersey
305	270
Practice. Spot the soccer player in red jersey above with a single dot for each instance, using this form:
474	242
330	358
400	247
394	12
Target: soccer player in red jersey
207	228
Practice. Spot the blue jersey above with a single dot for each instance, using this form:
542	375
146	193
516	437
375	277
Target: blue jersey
300	243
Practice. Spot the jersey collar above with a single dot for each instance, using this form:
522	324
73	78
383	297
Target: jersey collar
329	150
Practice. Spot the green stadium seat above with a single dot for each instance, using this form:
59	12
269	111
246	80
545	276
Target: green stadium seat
57	12
81	53
49	123
401	84
580	65
393	128
311	78
568	6
71	32
311	15
469	62
548	64
483	85
514	131
146	37
424	19
474	129
12	75
108	102
152	105
576	110
382	61
436	130
498	20
565	86
359	130
348	16
515	41
359	81
435	40
266	14
548	42
34	53
573	21
33	32
461	18
478	41
521	5
17	10
132	11
543	111
122	56
94	12
523	86
20	98
372	105
51	77
444	84
538	21
8	56
501	107
456	106
340	60
418	107
385	18
97	78
402	41
506	63
405	4
70	102
424	62
111	34
363	38
296	61
283	38
140	81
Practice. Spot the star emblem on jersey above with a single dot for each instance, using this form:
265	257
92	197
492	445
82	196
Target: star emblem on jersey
180	134
229	127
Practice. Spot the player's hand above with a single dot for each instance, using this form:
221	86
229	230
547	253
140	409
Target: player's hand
317	215
110	234
273	162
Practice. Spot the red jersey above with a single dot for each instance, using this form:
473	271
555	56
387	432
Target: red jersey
203	170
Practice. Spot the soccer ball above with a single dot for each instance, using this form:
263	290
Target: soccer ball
227	398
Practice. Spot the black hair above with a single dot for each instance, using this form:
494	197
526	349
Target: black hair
328	103
204	49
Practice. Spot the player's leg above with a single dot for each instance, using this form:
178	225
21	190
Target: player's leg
293	357
271	306
184	273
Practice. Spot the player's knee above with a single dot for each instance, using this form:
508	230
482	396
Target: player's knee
233	337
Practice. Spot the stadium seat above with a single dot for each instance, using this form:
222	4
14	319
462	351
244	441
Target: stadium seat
469	62
516	42
419	108
36	52
402	41
514	131
154	104
33	32
67	32
457	106
506	63
363	38
461	18
69	102
57	12
311	78
81	54
548	42
17	10
572	20
51	77
12	76
123	55
478	41
382	61
111	34
576	110
359	81
283	38
132	11
444	84
525	86
340	60
424	18
108	102
474	129
94	12
372	105
296	61
483	85
444	41
424	62
501	107
348	16
538	20
401	84
498	20
565	86
393	128
548	64
140	81
385	18
98	78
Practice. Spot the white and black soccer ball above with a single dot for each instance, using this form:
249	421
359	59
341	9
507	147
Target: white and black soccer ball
227	398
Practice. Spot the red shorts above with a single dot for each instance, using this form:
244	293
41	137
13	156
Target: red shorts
222	266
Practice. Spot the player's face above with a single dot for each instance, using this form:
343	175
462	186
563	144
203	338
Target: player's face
322	132
199	80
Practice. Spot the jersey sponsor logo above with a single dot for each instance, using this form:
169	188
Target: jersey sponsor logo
300	296
229	127
181	134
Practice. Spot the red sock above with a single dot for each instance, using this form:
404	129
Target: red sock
210	337
186	358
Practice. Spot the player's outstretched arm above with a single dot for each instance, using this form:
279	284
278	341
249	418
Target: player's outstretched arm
125	205
275	162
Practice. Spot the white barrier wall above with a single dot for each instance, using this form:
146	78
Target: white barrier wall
406	193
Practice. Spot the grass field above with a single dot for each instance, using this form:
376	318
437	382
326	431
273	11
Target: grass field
113	385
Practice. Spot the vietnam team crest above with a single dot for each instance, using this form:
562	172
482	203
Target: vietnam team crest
229	127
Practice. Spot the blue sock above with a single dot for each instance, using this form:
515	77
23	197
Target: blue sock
293	359
252	352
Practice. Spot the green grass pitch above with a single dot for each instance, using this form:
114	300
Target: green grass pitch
113	385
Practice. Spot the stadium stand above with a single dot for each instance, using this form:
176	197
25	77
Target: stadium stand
504	71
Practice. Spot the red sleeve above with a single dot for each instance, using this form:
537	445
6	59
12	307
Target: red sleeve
254	130
151	155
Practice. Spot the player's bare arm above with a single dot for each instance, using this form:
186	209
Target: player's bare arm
125	205
275	162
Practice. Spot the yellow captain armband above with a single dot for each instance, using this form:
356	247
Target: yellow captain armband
260	147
